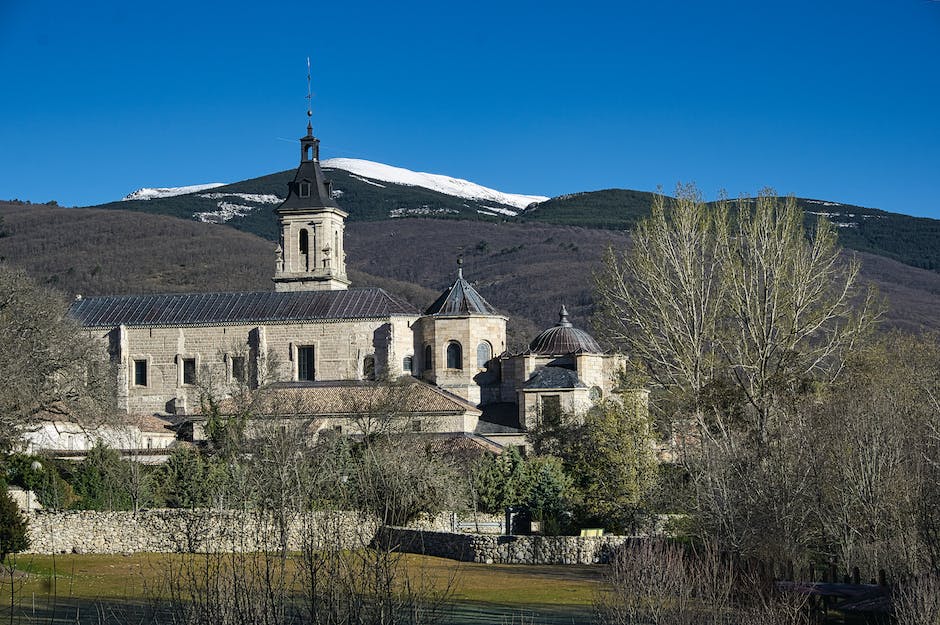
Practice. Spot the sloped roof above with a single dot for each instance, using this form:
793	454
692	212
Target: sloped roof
554	377
563	338
460	299
346	398
149	423
197	309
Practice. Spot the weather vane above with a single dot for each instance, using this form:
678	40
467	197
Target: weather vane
309	98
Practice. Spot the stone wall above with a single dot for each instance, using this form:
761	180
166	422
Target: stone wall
181	531
491	549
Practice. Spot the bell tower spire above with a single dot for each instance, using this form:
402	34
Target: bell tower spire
311	252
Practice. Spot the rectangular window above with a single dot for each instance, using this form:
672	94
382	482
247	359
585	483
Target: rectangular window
551	409
304	189
416	425
305	364
189	371
140	373
238	368
149	443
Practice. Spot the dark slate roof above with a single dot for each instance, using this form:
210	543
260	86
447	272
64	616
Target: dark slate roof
563	338
499	418
308	171
460	299
554	377
196	309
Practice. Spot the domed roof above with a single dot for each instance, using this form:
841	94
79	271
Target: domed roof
460	299
563	338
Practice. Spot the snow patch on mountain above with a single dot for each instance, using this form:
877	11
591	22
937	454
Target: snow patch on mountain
436	182
148	193
226	212
367	181
258	198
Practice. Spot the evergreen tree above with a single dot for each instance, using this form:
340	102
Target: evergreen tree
13	536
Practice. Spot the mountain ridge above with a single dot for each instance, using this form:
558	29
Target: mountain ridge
248	205
527	270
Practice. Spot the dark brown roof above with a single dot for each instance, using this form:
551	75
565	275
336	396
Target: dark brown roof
197	309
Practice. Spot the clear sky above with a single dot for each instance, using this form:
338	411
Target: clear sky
827	99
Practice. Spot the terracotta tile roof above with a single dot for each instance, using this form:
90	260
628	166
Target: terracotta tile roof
149	423
344	398
195	309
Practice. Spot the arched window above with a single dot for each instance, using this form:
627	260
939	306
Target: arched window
407	364
454	355
484	354
308	150
368	367
428	358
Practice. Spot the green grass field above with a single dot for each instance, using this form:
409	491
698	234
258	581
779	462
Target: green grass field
117	577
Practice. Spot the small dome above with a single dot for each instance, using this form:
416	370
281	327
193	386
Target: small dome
563	338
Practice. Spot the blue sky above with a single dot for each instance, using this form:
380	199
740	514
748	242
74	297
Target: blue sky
824	99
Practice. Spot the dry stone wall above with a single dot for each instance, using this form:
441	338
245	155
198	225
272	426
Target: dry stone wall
189	531
491	549
186	531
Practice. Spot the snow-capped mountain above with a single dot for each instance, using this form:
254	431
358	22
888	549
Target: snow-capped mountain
148	193
436	182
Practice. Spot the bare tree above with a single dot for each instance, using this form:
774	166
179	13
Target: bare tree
661	300
660	583
49	366
792	310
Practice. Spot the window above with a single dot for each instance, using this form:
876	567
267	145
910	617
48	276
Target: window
368	367
304	189
428	358
416	425
484	354
149	443
304	242
454	355
407	364
140	373
238	368
305	363
189	371
551	409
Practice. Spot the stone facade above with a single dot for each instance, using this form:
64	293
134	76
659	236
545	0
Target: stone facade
469	333
312	254
340	350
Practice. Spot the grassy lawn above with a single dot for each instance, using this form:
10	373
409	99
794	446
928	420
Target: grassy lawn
132	578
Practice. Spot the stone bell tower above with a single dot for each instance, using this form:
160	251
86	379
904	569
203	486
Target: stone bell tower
310	255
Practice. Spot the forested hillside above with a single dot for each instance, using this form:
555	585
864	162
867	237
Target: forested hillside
248	205
524	269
